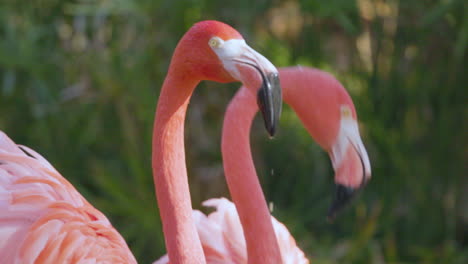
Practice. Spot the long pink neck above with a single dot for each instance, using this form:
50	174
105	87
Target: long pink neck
170	173
243	183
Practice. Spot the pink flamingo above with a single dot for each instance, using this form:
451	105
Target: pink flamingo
43	219
328	113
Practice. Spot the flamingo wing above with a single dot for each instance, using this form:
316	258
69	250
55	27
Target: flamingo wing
44	219
223	239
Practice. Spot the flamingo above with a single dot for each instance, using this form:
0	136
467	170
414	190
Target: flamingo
328	113
44	219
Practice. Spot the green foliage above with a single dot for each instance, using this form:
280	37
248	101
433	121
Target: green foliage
79	82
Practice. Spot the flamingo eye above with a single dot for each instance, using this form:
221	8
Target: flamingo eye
215	42
345	112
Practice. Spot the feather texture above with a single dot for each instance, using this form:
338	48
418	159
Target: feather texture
44	219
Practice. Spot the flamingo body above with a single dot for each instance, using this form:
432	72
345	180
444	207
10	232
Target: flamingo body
44	219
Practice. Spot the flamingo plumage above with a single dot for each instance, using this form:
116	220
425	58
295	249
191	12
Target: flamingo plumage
43	219
328	113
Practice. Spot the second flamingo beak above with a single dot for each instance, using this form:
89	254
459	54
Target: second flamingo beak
351	165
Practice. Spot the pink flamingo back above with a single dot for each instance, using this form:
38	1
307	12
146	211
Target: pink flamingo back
44	219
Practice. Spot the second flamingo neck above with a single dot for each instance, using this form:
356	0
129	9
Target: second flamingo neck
243	183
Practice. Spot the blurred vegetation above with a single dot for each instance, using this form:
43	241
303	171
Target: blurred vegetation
79	82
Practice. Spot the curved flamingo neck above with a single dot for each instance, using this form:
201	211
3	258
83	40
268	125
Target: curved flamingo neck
315	97
243	183
169	170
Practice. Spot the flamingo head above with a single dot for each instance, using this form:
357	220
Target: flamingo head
214	51
350	161
328	113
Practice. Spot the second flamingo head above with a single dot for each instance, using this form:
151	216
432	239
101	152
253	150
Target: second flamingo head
328	113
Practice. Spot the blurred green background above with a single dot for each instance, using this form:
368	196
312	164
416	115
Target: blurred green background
79	82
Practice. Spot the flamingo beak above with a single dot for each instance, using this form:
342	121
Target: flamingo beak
351	164
269	100
246	65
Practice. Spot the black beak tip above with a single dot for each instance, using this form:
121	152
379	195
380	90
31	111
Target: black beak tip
269	100
271	129
343	196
